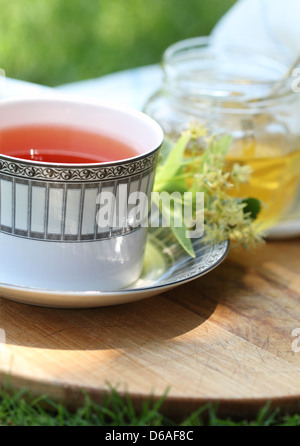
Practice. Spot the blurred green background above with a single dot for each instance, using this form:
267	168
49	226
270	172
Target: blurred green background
53	42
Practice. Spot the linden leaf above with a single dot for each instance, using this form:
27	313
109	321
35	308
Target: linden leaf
253	207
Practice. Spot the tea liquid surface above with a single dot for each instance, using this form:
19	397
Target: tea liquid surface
61	144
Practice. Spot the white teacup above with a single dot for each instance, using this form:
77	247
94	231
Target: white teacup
49	234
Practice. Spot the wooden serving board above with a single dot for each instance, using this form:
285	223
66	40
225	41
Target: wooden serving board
226	337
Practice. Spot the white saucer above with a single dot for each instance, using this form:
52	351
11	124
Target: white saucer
166	266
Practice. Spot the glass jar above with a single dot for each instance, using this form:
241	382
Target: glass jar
230	92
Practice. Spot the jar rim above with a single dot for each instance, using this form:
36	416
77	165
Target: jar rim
197	67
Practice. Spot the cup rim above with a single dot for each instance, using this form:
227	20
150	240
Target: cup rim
61	99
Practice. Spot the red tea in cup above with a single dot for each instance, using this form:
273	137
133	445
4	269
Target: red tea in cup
62	144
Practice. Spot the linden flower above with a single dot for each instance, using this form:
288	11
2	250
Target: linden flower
240	174
214	180
195	131
247	236
228	213
215	234
243	233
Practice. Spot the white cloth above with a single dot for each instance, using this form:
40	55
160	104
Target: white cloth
130	87
268	26
13	88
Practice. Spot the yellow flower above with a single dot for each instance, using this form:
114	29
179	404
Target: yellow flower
196	130
240	174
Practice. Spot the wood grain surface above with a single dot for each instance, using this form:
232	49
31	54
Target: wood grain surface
226	338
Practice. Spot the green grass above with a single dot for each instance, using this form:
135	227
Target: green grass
19	408
53	42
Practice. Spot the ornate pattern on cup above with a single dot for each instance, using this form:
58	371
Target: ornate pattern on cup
60	203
